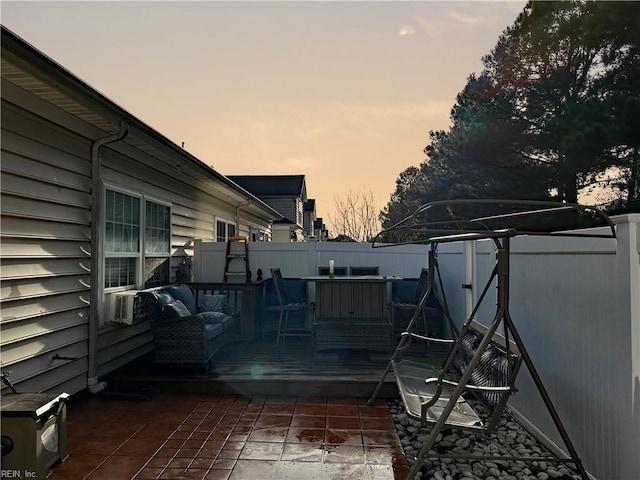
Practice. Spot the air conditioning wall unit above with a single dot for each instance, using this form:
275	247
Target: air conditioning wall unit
121	306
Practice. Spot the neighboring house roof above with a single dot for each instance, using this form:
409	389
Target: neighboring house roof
310	205
341	238
29	69
272	185
285	221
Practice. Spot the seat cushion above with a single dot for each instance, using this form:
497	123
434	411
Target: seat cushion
217	317
213	303
212	330
227	323
174	309
184	294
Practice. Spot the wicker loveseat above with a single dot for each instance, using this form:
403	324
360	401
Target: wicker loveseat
186	334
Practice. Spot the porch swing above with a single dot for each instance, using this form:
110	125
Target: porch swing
483	361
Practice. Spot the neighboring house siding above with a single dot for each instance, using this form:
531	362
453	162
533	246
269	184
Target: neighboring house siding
281	233
290	208
308	219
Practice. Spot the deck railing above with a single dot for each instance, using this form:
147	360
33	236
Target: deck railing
245	299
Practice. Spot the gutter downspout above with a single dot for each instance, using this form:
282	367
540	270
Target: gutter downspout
238	208
97	251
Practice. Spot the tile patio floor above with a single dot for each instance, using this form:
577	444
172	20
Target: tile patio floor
175	436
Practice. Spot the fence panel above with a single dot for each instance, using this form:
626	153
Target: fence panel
300	259
573	302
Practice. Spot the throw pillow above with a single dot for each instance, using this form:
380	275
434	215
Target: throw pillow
213	303
175	310
163	298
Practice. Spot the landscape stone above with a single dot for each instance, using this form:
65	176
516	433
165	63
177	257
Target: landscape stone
509	439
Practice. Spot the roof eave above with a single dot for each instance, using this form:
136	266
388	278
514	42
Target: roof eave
44	68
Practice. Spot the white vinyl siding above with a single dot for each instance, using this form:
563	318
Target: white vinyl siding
45	214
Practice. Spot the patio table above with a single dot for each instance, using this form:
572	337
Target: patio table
351	312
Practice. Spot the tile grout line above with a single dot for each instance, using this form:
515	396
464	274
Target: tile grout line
237	408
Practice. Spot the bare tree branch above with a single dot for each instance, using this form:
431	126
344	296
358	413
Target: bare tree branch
356	216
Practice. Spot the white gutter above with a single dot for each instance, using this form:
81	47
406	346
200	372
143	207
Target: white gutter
97	252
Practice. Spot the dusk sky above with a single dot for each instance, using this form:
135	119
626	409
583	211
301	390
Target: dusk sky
342	92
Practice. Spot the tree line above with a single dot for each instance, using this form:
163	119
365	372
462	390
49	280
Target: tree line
554	115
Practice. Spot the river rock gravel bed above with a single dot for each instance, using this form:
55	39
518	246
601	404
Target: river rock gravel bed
509	439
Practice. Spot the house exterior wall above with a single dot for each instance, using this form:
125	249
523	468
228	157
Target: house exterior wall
45	209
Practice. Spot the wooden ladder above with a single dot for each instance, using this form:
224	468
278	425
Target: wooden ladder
237	250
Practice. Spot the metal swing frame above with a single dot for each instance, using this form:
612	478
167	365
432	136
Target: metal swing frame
494	226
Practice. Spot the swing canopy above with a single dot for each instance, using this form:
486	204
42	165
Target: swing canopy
456	220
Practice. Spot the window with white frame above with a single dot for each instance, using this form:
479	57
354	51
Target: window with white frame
258	235
224	230
157	244
137	241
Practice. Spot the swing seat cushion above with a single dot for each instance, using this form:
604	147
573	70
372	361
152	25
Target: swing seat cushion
491	381
414	391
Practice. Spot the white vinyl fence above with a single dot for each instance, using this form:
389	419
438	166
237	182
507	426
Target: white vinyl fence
300	259
576	304
574	301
